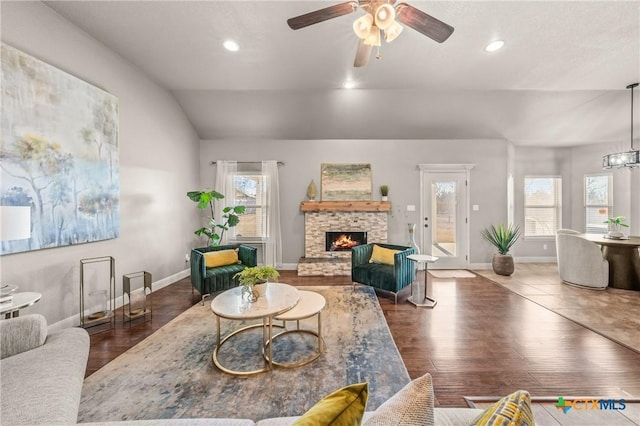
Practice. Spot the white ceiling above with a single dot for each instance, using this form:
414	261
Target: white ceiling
559	81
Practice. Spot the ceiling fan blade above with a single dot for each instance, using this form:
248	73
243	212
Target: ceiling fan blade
322	15
362	54
423	23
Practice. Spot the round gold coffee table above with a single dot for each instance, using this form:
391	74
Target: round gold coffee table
274	299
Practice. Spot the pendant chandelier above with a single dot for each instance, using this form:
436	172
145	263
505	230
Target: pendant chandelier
627	159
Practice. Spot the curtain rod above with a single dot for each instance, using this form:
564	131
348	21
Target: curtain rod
280	163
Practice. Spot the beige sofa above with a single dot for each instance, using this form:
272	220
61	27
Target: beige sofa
443	417
41	374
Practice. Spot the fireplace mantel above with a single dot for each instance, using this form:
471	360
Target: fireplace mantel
345	206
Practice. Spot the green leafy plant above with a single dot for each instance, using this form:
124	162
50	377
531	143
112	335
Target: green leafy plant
502	237
618	220
384	190
215	230
257	274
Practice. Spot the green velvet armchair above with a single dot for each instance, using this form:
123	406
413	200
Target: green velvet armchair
390	278
212	280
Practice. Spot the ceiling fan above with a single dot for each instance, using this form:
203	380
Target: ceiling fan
380	16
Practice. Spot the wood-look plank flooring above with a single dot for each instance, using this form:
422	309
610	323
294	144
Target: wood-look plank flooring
480	339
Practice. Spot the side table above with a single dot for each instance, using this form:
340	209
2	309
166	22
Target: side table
426	302
310	304
20	301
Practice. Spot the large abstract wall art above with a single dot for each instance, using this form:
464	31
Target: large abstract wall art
345	182
58	155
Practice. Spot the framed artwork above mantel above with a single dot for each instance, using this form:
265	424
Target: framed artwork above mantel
345	181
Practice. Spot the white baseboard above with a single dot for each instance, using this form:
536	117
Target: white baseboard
288	267
479	266
536	259
74	321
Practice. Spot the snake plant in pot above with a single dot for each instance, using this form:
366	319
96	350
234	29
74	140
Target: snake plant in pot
502	238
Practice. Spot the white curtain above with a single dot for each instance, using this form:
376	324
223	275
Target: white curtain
273	244
225	172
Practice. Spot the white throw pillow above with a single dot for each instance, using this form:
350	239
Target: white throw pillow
412	405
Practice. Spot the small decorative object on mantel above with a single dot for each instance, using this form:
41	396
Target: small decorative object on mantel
312	191
384	192
614	224
502	238
249	277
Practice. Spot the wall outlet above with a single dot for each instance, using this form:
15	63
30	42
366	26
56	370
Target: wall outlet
544	247
186	257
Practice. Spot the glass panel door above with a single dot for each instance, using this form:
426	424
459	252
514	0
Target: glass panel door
444	221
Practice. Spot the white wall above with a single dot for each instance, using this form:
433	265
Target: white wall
158	165
393	163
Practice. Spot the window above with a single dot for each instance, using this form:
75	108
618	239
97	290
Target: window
598	202
542	206
251	192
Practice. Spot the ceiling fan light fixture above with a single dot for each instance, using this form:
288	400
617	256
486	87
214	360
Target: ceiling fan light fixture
385	16
392	32
362	26
629	159
373	39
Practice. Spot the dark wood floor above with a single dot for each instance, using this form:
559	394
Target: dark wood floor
480	340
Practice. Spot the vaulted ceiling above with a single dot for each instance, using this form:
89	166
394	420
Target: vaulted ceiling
559	80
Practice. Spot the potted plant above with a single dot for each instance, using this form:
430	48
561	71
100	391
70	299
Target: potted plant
249	277
256	275
384	192
502	238
614	224
215	230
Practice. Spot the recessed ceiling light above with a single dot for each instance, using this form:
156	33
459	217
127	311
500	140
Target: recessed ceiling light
494	45
349	84
231	46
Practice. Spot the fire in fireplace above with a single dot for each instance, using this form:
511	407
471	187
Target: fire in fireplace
343	241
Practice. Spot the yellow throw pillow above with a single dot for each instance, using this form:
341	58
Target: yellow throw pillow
512	410
382	255
213	259
411	405
344	407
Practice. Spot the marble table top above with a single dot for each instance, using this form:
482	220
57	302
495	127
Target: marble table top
274	298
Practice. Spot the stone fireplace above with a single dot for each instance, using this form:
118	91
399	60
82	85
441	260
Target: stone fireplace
354	220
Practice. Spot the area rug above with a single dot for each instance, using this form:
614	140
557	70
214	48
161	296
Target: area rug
171	375
611	313
451	273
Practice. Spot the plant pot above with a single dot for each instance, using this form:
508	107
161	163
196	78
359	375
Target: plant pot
384	198
502	264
